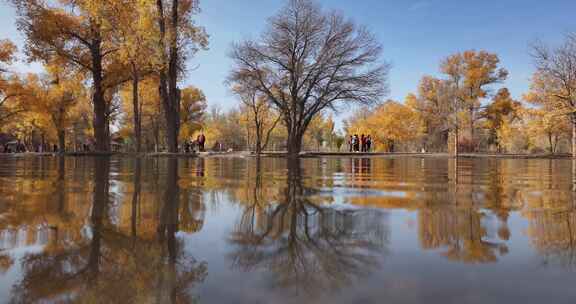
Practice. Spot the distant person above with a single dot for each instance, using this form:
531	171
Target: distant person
362	143
368	143
356	143
55	148
201	142
350	143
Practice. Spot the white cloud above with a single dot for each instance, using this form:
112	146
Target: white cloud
419	5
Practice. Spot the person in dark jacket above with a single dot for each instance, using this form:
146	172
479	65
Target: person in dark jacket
201	142
368	143
356	143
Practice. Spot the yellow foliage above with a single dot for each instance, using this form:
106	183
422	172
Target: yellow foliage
192	107
392	121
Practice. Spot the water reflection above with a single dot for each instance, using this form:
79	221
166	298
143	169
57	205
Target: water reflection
93	259
144	230
306	245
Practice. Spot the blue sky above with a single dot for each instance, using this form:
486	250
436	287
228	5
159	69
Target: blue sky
416	35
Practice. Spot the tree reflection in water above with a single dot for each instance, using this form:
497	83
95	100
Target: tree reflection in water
552	226
100	230
305	245
106	264
454	223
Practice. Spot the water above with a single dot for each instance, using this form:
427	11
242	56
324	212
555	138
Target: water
332	230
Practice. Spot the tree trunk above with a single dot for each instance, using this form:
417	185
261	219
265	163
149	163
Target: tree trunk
136	195
171	114
136	108
60	186
99	205
472	143
169	214
258	147
43	143
573	135
574	174
156	136
100	116
169	92
554	148
453	142
294	143
174	92
61	141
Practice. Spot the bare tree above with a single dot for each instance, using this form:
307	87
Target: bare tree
558	67
309	60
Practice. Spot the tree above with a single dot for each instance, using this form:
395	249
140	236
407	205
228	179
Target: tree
470	74
309	60
137	51
502	111
540	123
391	123
224	128
339	140
149	109
549	118
178	36
302	244
556	79
7	51
79	33
437	109
260	115
317	131
192	108
10	88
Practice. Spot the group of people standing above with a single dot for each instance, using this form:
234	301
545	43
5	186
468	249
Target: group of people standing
200	142
360	144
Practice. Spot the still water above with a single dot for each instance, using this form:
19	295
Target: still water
322	230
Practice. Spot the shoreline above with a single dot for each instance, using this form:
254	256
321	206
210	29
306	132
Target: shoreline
284	154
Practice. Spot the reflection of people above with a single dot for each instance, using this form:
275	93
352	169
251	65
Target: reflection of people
366	167
356	166
200	167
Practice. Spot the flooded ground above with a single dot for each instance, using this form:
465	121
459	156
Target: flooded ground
323	230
